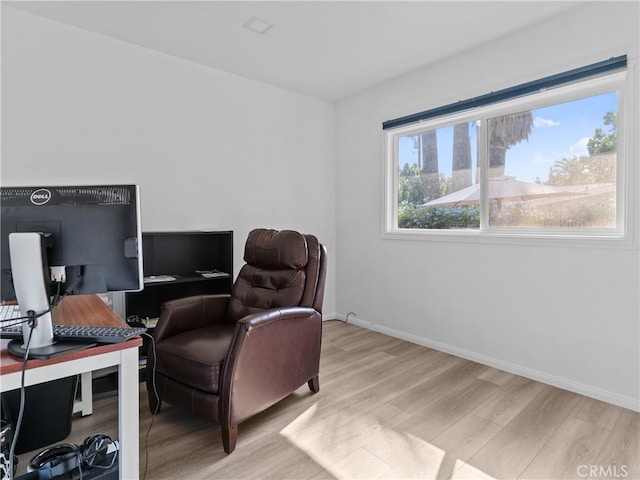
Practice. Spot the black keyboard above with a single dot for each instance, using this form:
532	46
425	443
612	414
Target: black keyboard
82	333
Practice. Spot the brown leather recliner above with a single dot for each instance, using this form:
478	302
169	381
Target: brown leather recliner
228	357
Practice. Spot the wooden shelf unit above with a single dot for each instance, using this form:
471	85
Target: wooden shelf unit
180	254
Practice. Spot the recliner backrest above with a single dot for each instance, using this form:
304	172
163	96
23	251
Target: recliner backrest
313	272
282	270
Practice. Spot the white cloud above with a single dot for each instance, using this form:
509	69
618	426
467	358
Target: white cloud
544	122
579	149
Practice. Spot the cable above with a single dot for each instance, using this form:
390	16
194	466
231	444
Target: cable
80	463
32	319
155	411
346	320
14	441
55	301
57	298
31	315
17	321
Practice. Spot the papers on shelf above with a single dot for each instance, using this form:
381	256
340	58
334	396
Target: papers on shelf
159	278
211	273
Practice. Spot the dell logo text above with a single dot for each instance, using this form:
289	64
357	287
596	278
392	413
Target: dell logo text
40	196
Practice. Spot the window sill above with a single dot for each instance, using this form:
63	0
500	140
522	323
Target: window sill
614	240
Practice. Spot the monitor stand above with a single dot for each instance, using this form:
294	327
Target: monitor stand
28	260
16	347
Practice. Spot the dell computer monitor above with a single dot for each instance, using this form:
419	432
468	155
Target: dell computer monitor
67	240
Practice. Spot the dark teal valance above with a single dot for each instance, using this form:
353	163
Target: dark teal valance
604	66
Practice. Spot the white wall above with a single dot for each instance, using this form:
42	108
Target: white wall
210	150
566	316
216	151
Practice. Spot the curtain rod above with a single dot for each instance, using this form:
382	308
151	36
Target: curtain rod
512	92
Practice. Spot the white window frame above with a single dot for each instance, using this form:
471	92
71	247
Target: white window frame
623	82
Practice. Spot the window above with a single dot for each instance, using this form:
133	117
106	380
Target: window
548	164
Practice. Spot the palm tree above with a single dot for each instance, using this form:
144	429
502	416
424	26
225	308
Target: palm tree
461	157
505	132
430	169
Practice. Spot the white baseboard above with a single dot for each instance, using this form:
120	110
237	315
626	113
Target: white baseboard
546	378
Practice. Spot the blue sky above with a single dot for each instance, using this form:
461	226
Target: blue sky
559	131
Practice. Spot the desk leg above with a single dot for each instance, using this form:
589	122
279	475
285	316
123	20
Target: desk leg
128	414
86	394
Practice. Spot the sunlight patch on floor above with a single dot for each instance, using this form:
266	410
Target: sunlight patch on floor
464	471
368	446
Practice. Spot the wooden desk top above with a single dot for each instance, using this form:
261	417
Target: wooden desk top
73	310
85	310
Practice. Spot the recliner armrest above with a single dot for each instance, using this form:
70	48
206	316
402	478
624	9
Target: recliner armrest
272	354
183	314
267	317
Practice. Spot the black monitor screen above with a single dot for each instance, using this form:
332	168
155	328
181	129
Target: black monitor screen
92	231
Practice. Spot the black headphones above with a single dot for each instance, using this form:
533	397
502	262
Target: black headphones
97	451
56	461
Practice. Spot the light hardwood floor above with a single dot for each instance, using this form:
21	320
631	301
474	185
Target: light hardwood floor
391	409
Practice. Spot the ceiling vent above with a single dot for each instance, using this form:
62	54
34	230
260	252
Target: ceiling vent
257	25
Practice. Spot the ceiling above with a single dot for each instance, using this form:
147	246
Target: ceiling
324	49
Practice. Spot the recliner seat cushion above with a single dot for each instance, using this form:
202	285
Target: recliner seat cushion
196	357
